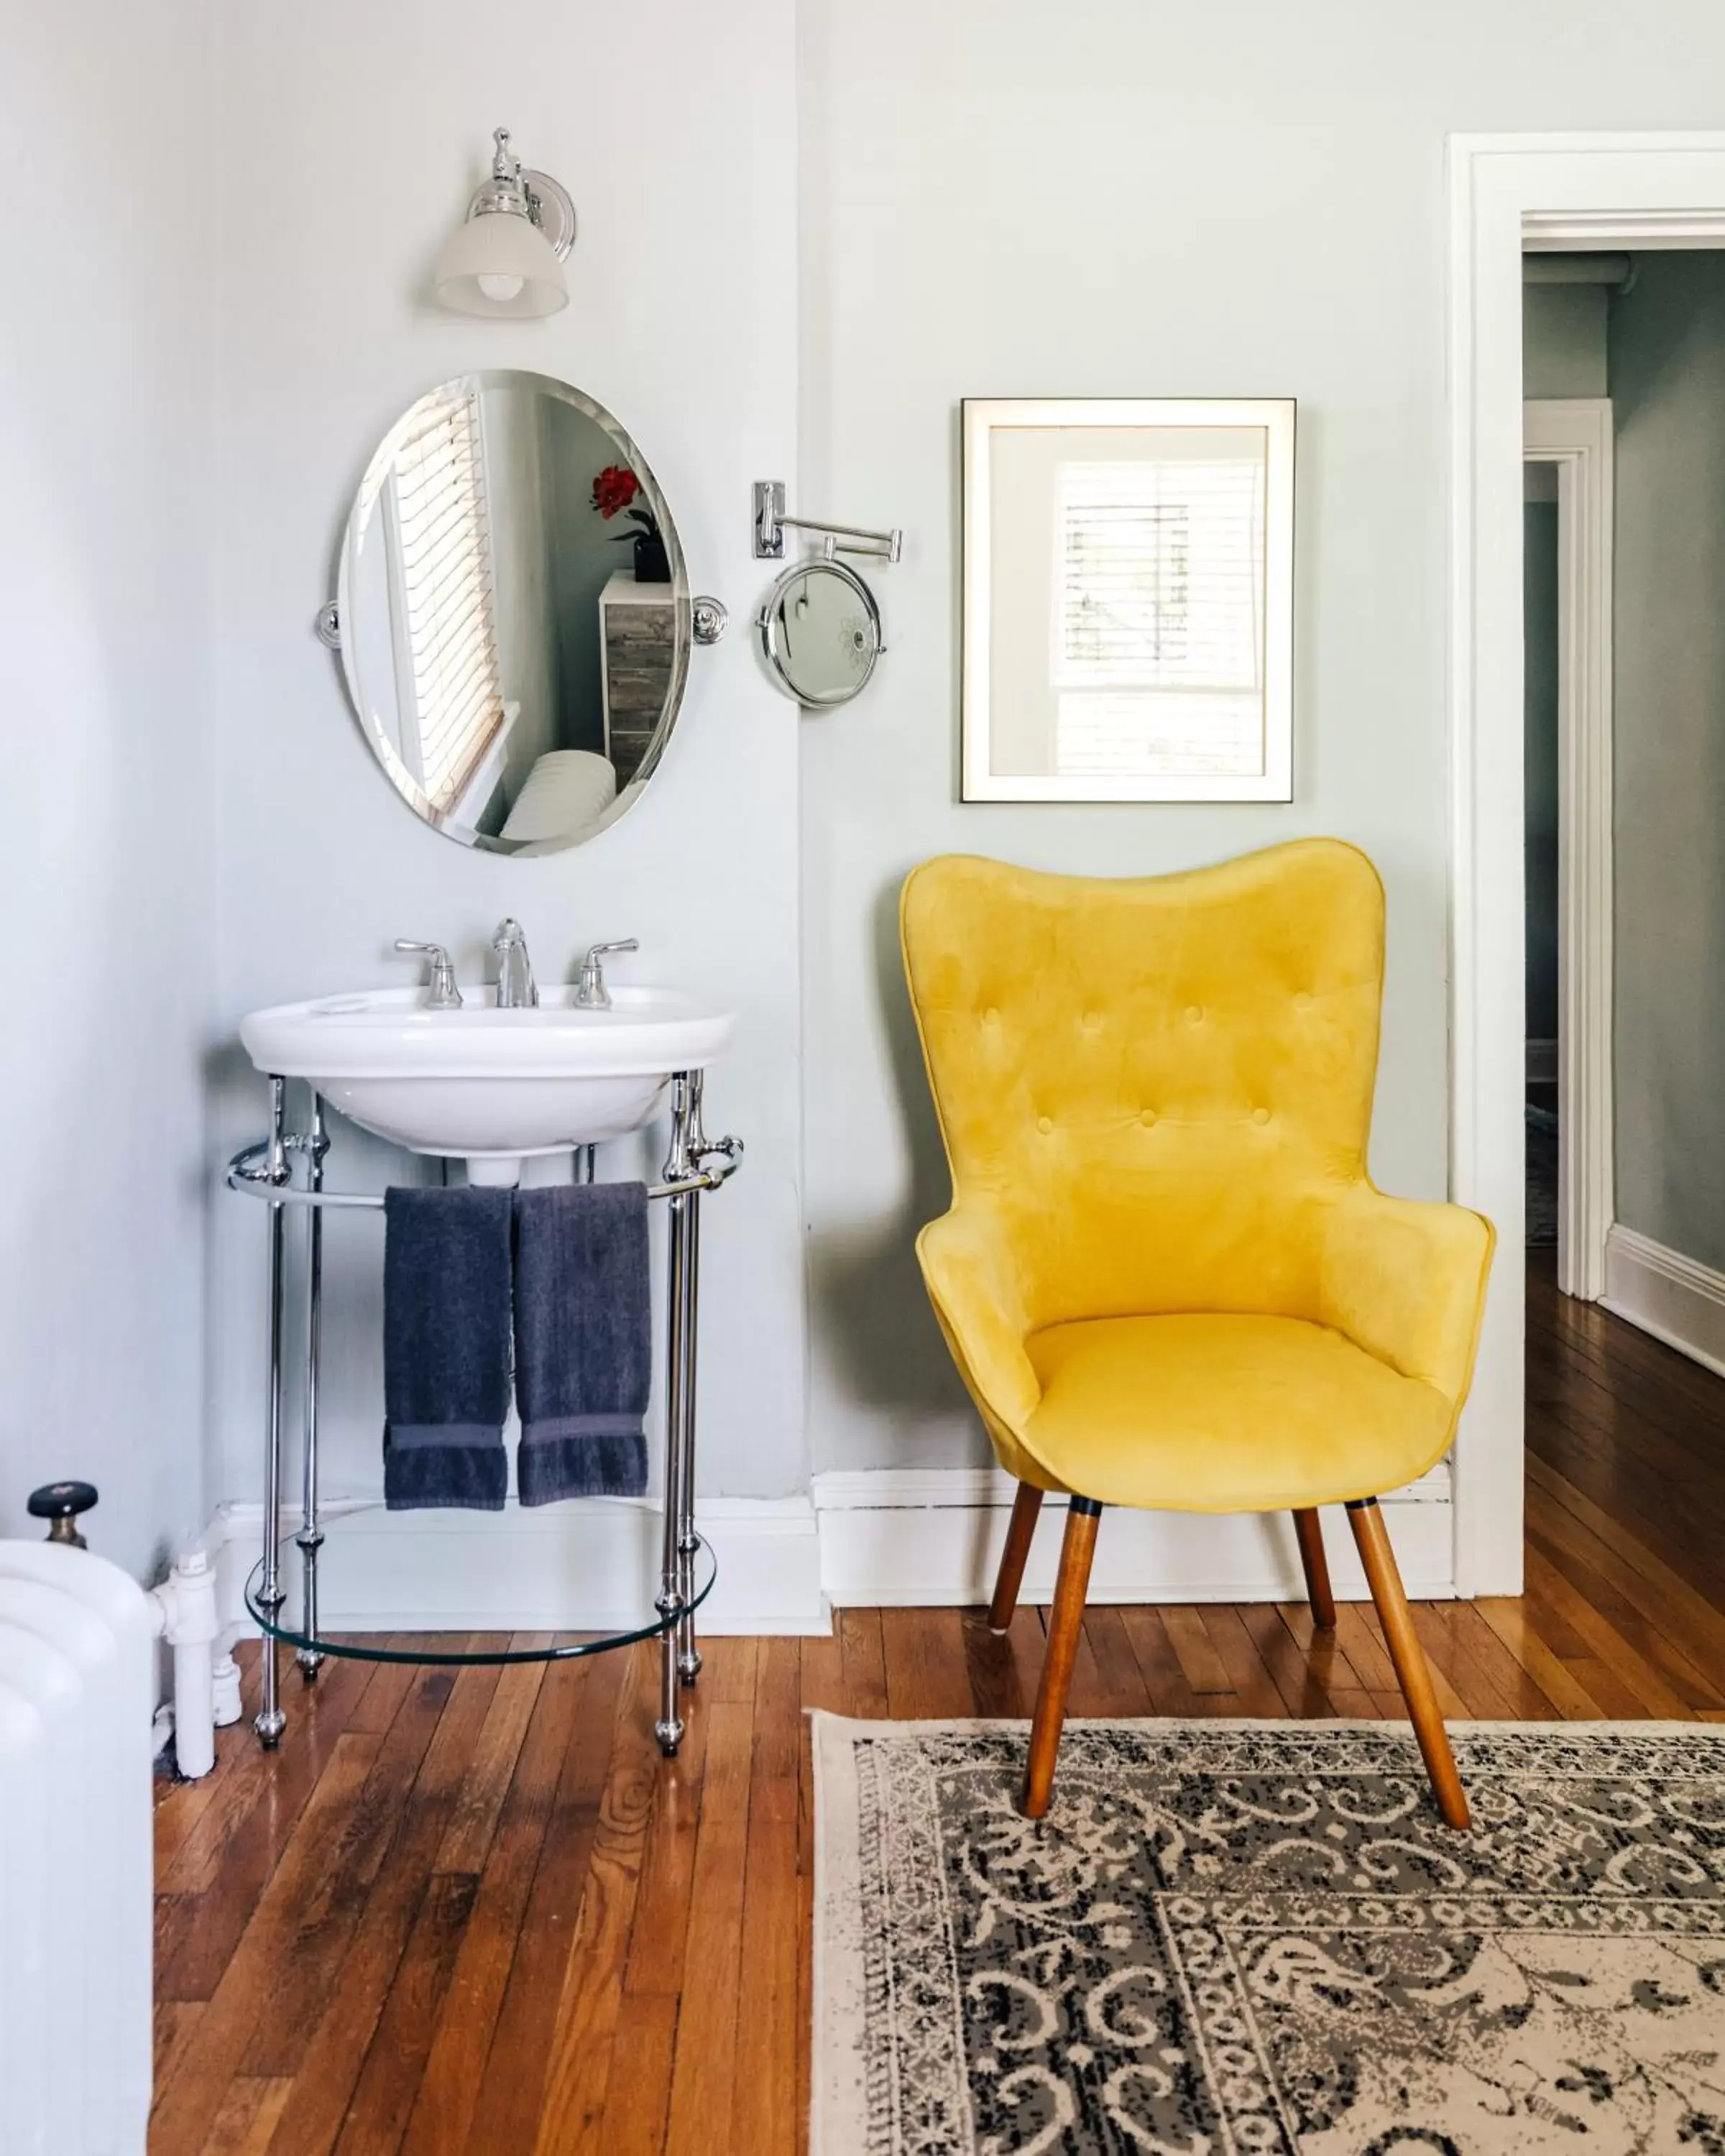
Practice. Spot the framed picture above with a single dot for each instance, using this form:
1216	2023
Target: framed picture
1128	599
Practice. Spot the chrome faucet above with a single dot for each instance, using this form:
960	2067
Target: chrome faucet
441	993
515	969
591	992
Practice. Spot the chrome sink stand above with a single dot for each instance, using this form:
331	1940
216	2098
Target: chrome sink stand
271	1720
309	1538
680	1658
694	1163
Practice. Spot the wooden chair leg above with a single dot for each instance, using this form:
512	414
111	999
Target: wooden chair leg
1317	1569
1064	1620
1409	1658
1025	1506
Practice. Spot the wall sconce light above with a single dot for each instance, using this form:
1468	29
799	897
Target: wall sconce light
508	257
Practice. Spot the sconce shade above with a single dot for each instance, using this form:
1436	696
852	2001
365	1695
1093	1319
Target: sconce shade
500	262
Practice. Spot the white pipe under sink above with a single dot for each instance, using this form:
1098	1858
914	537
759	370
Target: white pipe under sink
182	1612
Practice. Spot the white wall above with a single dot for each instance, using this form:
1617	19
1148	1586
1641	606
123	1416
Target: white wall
1564	340
105	881
1668	398
1003	197
351	137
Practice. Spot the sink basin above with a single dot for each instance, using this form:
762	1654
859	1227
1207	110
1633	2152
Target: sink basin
488	1085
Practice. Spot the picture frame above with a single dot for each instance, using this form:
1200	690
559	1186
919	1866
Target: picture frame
1128	572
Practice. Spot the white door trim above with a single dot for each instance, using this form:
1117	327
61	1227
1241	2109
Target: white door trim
1505	191
1575	435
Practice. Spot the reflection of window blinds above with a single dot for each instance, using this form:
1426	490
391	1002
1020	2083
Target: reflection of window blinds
1160	618
446	583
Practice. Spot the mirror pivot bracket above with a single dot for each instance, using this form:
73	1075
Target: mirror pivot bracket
771	523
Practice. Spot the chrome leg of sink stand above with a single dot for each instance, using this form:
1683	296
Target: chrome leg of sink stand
668	1729
688	1654
309	1538
271	1720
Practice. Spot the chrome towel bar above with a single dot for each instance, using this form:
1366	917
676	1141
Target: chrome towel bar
249	1173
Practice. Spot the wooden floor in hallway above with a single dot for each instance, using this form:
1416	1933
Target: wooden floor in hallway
471	1912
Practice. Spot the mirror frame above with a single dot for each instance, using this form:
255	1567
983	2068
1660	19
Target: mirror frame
766	621
401	781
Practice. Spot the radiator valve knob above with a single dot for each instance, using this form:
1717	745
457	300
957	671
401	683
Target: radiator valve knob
60	1503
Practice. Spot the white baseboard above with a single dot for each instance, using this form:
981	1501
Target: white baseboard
932	1536
1673	1297
901	1539
588	1566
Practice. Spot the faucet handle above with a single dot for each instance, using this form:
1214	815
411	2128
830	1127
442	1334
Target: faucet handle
442	992
592	993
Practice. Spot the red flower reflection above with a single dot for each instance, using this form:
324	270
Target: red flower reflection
615	489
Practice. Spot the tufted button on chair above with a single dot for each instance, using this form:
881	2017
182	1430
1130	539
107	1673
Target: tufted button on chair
1204	1306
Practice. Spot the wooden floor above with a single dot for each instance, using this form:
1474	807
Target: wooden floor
472	1913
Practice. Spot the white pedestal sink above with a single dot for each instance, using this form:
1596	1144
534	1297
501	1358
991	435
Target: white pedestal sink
486	1085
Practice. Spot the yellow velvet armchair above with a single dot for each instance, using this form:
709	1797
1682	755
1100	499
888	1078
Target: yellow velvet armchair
1165	1277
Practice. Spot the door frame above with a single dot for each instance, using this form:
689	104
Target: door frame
1508	193
1575	435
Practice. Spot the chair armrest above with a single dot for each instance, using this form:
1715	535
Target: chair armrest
972	1280
1406	1281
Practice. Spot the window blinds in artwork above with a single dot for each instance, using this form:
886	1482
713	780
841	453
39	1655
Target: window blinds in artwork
1157	647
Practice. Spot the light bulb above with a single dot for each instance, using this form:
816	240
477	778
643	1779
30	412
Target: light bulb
500	288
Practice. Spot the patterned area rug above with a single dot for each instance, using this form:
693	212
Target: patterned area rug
1240	1937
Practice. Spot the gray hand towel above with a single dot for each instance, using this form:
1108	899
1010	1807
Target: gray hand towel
446	1345
583	1340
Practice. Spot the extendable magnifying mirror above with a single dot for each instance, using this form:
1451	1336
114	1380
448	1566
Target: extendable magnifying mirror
820	627
820	631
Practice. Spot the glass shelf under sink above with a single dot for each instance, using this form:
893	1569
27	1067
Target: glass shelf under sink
395	1645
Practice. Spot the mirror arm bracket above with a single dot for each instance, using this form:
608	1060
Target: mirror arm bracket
770	524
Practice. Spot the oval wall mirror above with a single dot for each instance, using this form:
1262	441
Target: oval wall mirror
514	612
820	629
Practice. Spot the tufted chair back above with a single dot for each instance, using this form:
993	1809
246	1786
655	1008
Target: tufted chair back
1159	1085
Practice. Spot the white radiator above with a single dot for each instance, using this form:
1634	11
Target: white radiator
77	1685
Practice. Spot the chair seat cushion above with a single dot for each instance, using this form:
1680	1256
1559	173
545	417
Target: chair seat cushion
1225	1413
